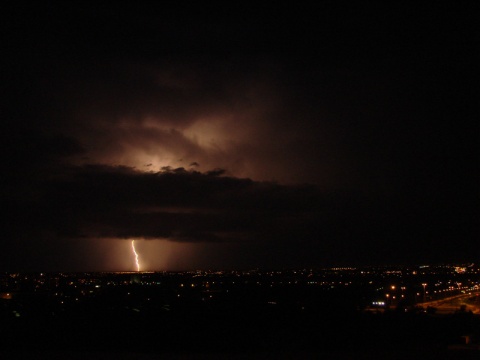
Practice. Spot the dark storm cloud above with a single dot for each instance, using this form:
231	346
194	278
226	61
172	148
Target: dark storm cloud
102	201
371	105
358	95
98	201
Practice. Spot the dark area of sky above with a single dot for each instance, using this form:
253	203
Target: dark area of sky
255	136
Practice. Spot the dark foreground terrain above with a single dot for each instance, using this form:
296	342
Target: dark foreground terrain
242	333
181	320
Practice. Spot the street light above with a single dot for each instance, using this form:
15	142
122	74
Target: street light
424	293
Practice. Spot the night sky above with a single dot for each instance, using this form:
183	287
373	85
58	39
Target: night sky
238	136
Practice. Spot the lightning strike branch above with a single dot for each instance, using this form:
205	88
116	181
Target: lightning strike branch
136	255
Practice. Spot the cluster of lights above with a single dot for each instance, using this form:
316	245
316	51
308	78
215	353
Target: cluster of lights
380	303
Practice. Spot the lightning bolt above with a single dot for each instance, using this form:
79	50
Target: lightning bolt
136	255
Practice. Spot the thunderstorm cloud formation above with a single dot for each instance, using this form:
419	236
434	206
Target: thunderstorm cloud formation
238	137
